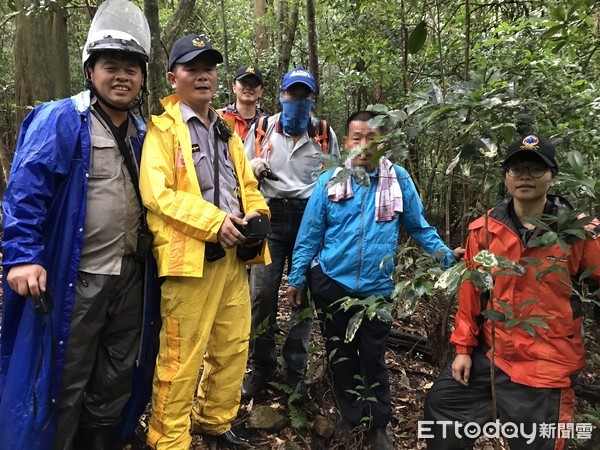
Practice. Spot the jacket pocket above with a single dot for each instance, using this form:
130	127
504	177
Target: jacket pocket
105	157
204	171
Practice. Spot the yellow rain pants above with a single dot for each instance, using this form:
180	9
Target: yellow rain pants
204	319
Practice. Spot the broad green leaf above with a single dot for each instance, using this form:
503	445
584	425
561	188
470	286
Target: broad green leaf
562	217
440	112
528	328
377	121
576	161
538	323
586	273
451	279
531	262
488	148
527	303
453	163
507	308
378	108
416	105
558	13
552	31
538	223
353	325
493	315
437	97
482	280
398	115
417	37
549	238
559	47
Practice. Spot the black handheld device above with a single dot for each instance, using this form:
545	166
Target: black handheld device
43	304
258	228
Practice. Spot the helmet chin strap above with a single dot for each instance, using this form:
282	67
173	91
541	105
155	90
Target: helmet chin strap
137	103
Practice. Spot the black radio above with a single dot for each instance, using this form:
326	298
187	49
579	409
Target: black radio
144	244
222	131
258	228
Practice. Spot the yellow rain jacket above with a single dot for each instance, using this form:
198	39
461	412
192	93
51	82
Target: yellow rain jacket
179	218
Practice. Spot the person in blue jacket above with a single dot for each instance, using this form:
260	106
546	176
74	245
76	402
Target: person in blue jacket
74	254
346	232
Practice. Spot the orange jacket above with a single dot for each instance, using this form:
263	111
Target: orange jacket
555	356
240	124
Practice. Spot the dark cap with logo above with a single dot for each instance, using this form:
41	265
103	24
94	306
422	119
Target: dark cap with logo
533	144
188	47
249	71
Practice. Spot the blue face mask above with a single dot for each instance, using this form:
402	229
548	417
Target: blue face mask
295	114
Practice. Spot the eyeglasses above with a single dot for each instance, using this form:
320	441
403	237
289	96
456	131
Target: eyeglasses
535	171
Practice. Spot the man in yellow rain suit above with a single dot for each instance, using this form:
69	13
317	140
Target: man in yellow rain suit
200	192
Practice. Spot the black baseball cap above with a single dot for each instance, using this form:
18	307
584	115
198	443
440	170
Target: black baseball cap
533	144
188	47
246	71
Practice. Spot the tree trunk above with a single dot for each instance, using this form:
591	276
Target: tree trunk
467	38
313	53
5	159
156	65
282	14
260	30
41	57
162	42
60	55
288	22
225	49
173	30
405	74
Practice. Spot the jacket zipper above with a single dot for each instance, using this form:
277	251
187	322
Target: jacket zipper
360	241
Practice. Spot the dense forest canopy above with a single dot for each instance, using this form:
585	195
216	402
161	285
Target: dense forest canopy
459	80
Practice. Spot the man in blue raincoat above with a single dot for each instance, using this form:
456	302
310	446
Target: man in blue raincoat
75	253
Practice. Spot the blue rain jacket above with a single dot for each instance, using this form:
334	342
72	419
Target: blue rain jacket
44	211
350	245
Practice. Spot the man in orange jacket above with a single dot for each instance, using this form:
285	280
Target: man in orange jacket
248	89
534	375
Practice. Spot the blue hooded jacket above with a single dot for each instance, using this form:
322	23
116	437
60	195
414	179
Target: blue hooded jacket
44	211
350	245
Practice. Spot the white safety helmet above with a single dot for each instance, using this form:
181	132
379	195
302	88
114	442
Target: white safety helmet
119	25
112	40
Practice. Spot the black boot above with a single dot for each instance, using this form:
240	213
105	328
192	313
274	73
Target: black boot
231	439
254	385
379	439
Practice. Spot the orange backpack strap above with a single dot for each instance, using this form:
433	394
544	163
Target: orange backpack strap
322	135
261	133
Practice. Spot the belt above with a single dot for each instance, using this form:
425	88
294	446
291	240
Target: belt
288	201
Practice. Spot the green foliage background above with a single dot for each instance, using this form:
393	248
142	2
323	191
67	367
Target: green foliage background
532	66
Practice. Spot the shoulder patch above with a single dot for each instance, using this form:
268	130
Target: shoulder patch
593	229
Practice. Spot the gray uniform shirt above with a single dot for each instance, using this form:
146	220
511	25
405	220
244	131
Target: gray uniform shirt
203	150
113	211
295	164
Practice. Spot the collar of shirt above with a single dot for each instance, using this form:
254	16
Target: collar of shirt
188	113
232	109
